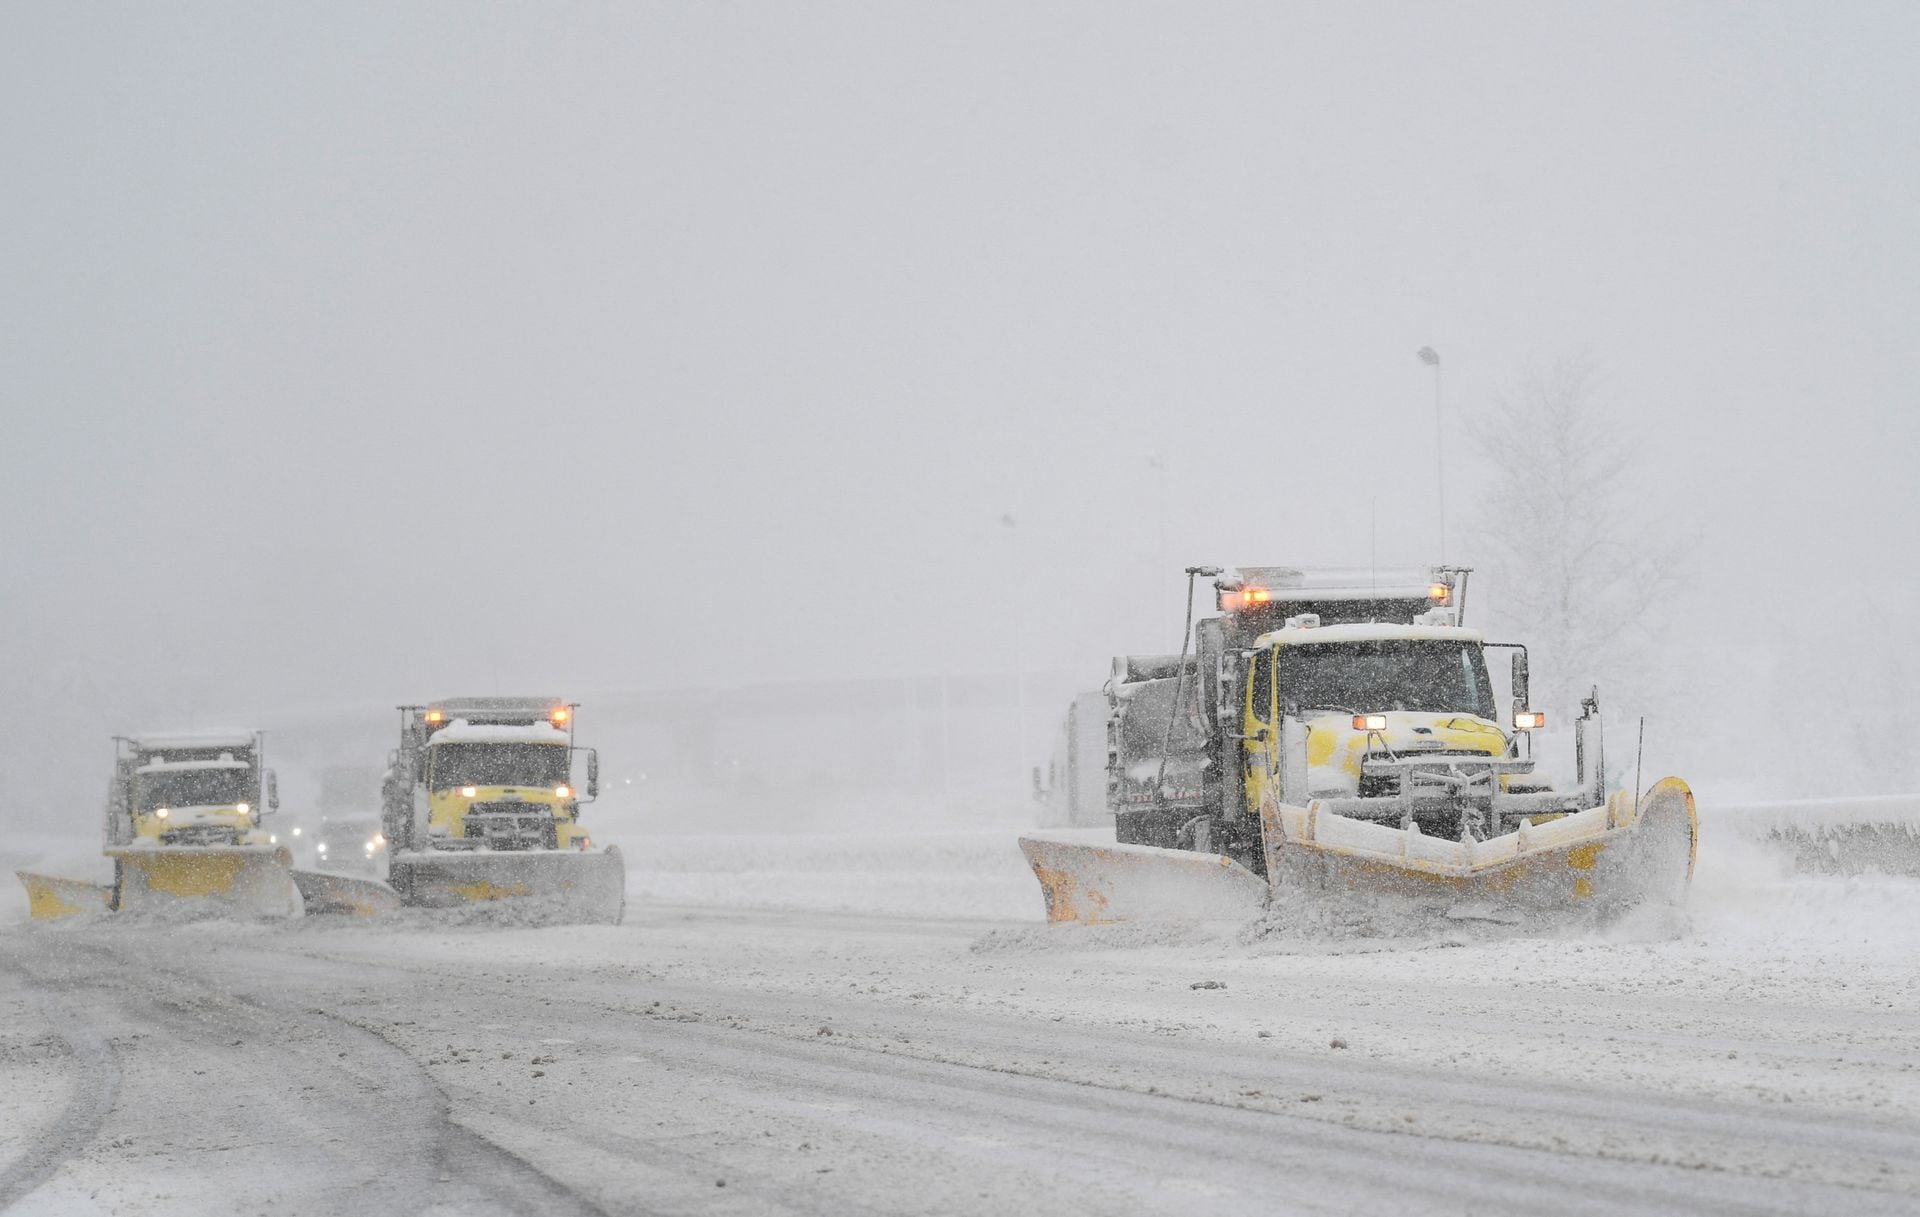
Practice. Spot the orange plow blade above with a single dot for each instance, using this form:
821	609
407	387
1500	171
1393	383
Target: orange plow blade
1100	883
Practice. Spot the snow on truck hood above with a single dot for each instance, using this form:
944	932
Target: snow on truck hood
460	731
1367	631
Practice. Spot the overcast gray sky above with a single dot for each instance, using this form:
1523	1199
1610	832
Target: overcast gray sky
373	352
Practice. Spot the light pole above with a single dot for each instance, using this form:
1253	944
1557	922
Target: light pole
1431	358
1012	526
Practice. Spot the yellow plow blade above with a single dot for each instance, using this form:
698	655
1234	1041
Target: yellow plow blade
1097	884
324	892
538	886
49	896
1591	865
242	880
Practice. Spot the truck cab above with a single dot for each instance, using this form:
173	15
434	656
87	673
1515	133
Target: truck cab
493	774
189	790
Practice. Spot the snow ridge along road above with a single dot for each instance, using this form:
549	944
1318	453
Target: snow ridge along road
742	1061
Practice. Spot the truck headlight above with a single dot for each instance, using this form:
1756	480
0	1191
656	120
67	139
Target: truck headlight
563	791
162	813
1369	722
246	808
467	792
1529	720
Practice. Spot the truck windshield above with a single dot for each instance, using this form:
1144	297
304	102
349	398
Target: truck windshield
1395	674
498	765
196	788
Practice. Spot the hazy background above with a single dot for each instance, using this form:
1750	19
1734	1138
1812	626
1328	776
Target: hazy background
363	354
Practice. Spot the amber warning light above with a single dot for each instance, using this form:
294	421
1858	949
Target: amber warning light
1247	598
436	717
560	715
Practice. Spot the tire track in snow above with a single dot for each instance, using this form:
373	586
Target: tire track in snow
222	1066
95	1088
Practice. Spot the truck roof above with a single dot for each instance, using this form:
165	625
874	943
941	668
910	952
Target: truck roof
166	766
476	709
211	741
1367	631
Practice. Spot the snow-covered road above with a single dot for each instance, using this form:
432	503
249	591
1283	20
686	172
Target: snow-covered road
702	1059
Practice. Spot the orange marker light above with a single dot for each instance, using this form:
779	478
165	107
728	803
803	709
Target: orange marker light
560	715
1440	593
436	716
1258	595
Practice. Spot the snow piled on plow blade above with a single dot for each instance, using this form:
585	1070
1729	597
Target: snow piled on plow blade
1847	836
1330	874
1584	869
521	887
228	880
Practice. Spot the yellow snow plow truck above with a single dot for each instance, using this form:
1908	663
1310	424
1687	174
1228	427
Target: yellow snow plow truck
479	805
1331	740
183	828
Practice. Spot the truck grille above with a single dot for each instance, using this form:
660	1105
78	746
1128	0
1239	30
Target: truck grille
510	825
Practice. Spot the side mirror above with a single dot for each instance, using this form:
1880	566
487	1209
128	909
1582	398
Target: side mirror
1520	699
593	774
273	791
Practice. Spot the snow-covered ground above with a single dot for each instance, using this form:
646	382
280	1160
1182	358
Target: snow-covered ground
882	1023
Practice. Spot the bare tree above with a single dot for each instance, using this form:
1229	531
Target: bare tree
1572	560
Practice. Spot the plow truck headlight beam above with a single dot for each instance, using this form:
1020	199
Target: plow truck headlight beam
245	808
1529	720
1369	722
563	791
467	792
162	813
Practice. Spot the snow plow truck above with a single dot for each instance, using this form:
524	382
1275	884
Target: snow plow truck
479	805
1331	740
183	828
